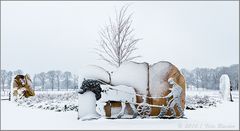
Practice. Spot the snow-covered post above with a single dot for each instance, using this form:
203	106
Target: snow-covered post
87	106
224	87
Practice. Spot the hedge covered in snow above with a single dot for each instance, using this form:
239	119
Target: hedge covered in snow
68	101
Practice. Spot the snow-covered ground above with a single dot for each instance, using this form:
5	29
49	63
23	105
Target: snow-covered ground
212	114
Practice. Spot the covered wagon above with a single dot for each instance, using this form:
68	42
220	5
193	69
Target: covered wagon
149	85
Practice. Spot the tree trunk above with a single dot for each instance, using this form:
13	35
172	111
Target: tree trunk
52	84
58	85
42	86
67	84
3	85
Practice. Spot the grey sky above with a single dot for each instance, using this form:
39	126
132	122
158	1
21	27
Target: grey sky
41	36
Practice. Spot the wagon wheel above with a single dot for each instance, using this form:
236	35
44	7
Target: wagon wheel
144	110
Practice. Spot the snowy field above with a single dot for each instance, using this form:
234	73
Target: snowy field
52	110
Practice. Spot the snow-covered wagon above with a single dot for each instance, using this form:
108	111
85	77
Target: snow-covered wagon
134	89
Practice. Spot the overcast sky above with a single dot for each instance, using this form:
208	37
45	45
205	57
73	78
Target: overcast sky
41	36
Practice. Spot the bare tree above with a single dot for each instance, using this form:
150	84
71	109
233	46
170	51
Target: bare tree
34	81
42	78
75	81
58	76
4	75
197	77
9	79
67	76
18	72
117	42
51	78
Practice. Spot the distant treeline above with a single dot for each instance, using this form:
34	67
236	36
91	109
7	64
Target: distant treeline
209	78
51	80
57	80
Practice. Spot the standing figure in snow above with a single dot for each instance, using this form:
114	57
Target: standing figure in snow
175	93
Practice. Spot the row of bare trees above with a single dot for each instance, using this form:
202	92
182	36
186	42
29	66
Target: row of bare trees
6	78
53	80
56	80
207	78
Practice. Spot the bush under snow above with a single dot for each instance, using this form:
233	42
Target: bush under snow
68	101
197	101
58	102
